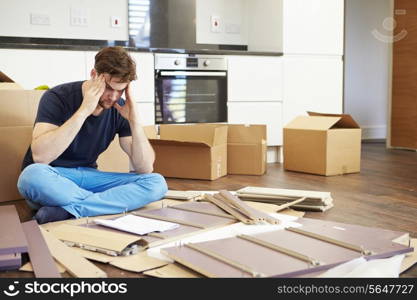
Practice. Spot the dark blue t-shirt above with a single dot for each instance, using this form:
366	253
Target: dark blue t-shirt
57	105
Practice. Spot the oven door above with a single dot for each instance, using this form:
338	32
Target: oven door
190	97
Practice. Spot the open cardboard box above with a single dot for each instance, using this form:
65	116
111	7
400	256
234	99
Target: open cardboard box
246	149
6	83
17	113
324	144
190	151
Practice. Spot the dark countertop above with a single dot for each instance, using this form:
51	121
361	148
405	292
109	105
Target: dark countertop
7	43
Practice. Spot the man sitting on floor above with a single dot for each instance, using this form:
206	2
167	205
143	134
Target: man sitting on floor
75	123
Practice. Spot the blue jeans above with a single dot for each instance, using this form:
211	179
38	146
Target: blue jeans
88	192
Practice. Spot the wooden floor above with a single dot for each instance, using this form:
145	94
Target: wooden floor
383	194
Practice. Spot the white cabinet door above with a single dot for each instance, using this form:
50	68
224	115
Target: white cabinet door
146	113
254	78
269	113
31	68
313	26
143	88
312	83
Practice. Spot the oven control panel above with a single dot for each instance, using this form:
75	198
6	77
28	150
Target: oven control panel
164	61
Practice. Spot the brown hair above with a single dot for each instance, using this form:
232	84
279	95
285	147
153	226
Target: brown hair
117	62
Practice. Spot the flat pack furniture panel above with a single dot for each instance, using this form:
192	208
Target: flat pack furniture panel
286	253
12	237
75	264
10	261
185	217
203	207
42	262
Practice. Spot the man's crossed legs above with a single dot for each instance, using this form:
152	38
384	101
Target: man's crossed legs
61	193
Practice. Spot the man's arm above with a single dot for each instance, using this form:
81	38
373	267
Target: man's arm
137	146
139	149
50	141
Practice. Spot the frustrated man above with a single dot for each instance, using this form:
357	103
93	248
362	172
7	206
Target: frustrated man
75	123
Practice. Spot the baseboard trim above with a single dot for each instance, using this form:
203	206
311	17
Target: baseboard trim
378	132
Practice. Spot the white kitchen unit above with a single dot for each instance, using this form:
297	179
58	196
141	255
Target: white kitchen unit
255	93
313	27
31	68
146	111
269	113
312	83
313	45
254	78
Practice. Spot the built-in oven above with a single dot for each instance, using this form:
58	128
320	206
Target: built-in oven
190	88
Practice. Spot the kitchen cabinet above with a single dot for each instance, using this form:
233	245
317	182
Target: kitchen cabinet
269	113
255	93
312	83
31	68
254	78
313	27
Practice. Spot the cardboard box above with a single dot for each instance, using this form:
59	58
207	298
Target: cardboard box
17	113
6	83
325	144
246	149
191	151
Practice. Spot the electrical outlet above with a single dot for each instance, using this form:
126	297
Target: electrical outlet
215	23
39	19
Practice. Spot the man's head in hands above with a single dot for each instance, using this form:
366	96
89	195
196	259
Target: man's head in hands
118	69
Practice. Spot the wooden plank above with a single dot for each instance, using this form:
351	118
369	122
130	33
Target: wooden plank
75	264
13	239
229	209
39	254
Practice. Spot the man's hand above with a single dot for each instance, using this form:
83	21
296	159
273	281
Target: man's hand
93	89
128	110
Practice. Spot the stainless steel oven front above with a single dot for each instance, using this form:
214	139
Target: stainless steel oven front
190	88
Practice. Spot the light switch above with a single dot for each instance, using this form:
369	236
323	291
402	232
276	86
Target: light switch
79	16
215	23
115	21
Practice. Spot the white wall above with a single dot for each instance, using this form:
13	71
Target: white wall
15	19
233	22
367	65
265	25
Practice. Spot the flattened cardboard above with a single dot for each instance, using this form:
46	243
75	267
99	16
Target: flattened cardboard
13	239
74	263
324	144
191	151
172	271
137	262
27	267
43	264
96	238
246	149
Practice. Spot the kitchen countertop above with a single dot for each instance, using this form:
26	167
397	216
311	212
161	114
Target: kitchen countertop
54	44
